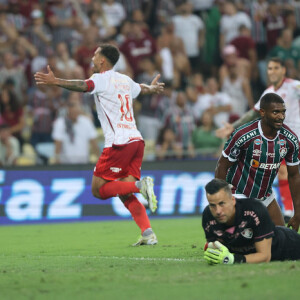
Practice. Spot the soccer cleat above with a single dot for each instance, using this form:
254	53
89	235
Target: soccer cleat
150	239
148	193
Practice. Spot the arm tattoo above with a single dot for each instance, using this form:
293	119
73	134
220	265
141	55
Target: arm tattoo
73	85
247	117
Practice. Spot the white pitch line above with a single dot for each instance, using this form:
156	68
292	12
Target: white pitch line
151	258
121	258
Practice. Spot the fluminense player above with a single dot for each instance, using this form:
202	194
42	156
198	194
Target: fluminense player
118	170
289	90
252	156
241	231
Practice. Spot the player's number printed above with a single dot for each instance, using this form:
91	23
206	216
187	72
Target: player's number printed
125	109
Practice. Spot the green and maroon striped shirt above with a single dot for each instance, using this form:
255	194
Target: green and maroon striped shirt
257	158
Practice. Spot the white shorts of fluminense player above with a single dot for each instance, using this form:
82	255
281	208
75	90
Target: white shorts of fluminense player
266	201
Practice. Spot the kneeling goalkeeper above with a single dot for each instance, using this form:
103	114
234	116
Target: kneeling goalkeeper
241	230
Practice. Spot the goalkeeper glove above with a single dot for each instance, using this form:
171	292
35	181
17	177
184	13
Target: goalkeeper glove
219	254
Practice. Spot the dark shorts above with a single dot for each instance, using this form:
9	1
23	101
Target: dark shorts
120	161
286	244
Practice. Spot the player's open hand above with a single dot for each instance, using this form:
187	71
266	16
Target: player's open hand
225	131
156	86
294	222
45	78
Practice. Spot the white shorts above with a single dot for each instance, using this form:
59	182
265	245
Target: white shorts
266	201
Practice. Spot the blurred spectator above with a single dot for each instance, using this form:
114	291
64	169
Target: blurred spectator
64	62
179	118
204	138
9	147
166	145
148	124
74	136
181	65
25	52
63	19
287	52
98	21
211	51
230	23
115	13
231	58
291	23
274	23
39	33
218	104
190	28
8	33
15	18
11	112
171	56
42	110
239	90
132	5
85	52
258	12
162	15
164	101
15	74
138	45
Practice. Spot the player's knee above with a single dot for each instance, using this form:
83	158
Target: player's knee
96	193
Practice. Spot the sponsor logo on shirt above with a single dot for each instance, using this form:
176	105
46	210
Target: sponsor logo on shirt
115	170
256	152
281	142
257	165
271	154
258	142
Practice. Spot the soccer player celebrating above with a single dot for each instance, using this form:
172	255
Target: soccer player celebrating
241	231
118	170
289	90
252	156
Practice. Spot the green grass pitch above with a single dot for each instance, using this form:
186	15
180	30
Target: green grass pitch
96	261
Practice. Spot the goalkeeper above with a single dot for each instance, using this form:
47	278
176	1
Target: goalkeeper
241	230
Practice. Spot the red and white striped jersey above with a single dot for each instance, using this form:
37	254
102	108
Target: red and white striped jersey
289	91
113	93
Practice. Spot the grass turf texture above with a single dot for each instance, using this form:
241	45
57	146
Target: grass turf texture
96	261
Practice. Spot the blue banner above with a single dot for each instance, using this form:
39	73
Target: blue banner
65	196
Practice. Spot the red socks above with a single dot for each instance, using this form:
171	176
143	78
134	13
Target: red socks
285	194
117	188
138	212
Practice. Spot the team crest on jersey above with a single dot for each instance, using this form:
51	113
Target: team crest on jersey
282	152
258	142
256	152
281	142
254	163
234	152
247	233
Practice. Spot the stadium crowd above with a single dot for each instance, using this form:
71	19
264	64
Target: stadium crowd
211	54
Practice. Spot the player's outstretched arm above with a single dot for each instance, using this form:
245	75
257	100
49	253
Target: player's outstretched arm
155	87
50	79
294	183
227	129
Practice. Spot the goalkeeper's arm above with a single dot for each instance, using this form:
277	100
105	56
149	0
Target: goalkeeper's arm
263	252
216	253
